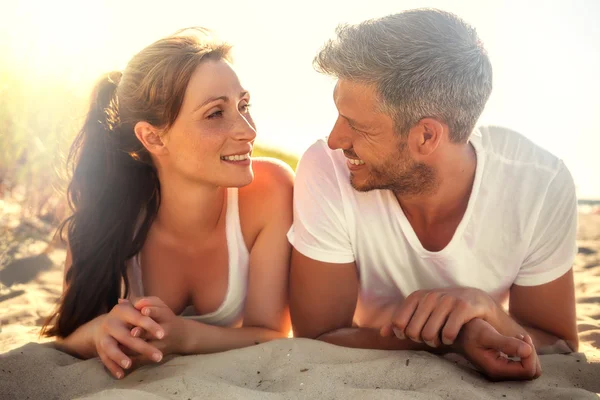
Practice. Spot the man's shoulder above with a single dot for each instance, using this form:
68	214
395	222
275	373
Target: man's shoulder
318	151
321	160
517	168
323	173
509	148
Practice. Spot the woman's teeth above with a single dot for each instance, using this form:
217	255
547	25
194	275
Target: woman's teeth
239	157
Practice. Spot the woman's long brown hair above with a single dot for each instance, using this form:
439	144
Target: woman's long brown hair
114	193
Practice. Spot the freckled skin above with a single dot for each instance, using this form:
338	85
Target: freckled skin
201	135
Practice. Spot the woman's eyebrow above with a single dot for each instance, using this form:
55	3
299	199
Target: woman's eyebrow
224	98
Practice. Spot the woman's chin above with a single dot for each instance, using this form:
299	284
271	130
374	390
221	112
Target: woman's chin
240	180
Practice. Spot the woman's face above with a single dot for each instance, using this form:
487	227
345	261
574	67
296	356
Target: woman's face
211	140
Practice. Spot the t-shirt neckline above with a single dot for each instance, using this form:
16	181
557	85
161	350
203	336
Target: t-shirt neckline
407	228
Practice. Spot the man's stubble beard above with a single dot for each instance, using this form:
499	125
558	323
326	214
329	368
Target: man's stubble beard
404	178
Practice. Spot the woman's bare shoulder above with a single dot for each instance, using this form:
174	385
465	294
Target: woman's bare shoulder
272	177
269	196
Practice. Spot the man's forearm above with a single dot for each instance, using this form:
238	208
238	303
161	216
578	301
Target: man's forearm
367	338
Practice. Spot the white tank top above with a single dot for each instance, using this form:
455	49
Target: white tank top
231	310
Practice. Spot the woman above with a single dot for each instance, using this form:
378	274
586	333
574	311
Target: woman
171	215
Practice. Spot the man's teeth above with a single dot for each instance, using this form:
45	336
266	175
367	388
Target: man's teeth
356	162
239	157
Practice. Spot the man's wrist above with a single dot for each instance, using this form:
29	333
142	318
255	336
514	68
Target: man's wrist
492	316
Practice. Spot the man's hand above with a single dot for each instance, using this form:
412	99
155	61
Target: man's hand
436	316
488	350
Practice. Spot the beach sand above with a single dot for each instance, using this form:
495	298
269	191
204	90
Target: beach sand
31	281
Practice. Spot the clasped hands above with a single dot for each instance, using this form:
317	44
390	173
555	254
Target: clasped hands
462	320
137	332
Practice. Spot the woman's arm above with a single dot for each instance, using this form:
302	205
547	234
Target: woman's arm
81	342
268	273
107	335
266	313
203	338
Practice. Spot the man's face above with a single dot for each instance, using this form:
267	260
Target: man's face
377	156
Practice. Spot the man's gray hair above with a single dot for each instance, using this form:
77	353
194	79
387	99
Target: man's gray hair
423	63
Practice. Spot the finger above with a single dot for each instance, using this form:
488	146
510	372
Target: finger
112	366
131	316
148	302
127	351
538	370
386	330
157	313
404	313
420	317
433	327
136	332
111	349
498	367
488	349
112	356
141	333
512	347
123	336
530	363
459	316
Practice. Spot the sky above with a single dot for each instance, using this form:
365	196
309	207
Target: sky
545	56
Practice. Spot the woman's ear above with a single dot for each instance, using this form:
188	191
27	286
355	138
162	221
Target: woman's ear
150	138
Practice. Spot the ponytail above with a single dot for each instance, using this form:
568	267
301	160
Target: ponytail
113	185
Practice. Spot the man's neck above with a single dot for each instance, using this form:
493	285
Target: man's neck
455	174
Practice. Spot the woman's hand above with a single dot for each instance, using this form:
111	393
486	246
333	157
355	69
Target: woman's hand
112	338
173	341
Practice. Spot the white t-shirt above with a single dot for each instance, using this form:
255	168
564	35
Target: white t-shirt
519	226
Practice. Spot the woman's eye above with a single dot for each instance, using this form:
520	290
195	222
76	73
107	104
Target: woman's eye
245	107
216	114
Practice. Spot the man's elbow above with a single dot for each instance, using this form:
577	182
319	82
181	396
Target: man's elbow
573	344
561	346
306	332
310	327
305	324
570	342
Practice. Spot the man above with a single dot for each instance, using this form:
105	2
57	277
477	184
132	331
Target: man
411	227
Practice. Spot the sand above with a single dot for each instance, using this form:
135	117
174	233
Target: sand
31	279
